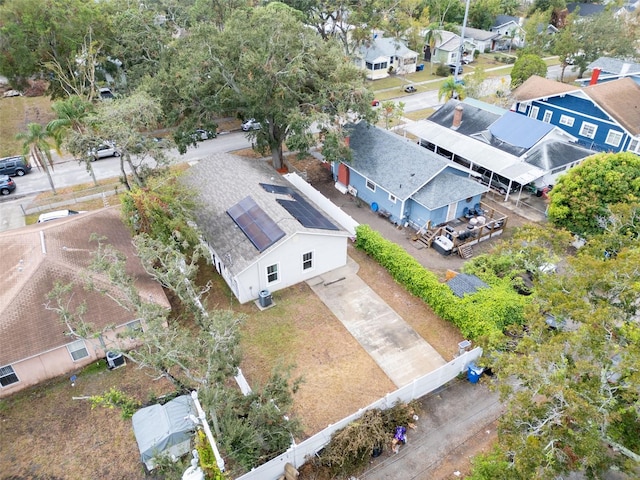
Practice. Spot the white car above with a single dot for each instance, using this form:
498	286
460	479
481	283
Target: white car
46	217
251	124
104	150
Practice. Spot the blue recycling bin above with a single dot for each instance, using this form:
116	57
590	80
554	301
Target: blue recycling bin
420	67
474	372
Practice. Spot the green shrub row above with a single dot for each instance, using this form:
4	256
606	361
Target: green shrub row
480	316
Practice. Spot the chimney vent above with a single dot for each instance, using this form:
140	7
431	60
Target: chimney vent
457	116
594	76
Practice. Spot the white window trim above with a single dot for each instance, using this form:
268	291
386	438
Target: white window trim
548	114
586	125
277	272
75	347
370	185
6	374
616	134
533	113
392	198
566	120
636	148
312	263
522	107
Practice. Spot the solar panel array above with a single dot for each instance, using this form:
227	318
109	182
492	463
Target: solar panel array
259	228
276	189
306	214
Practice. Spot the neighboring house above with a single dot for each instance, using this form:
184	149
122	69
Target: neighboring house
585	9
480	40
35	344
446	48
263	234
510	30
507	150
603	117
403	182
382	54
609	68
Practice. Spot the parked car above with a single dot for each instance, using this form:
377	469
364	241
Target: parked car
106	93
201	134
14	166
104	150
46	217
6	185
251	124
410	89
499	183
452	69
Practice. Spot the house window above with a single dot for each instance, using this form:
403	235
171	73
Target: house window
588	130
77	350
392	198
134	327
307	261
547	116
369	65
522	107
371	186
634	145
534	112
566	120
7	376
614	138
272	273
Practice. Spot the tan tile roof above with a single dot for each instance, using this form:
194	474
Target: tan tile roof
36	257
620	99
537	87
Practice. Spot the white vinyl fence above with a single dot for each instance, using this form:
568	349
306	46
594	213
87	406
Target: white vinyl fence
298	454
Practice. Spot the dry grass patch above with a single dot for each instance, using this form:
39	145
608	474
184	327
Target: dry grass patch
16	113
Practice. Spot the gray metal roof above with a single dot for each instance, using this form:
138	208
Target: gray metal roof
221	181
474	118
464	284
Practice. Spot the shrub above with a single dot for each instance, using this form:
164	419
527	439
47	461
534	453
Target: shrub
443	71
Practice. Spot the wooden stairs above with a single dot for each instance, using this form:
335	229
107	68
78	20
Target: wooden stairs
427	238
465	251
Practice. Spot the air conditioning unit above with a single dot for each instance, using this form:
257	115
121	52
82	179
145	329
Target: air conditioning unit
352	191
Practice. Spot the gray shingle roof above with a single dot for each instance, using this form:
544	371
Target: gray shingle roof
386	47
221	181
549	155
615	66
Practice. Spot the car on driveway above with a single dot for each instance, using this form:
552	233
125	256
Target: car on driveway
6	185
410	89
104	150
452	68
251	124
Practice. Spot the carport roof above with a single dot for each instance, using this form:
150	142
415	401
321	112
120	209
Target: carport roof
477	152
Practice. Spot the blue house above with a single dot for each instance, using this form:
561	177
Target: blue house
604	117
404	182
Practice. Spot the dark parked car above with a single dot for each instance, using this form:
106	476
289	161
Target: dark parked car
410	89
452	69
14	166
6	185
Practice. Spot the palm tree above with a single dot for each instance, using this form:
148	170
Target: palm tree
34	142
71	126
451	89
431	38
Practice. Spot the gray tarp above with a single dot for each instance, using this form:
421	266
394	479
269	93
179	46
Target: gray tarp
159	427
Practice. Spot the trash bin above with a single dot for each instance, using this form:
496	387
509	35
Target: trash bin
420	67
264	298
474	372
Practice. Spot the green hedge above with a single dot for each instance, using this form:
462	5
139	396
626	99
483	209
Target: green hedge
480	316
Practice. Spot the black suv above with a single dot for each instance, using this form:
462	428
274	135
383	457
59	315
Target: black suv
452	69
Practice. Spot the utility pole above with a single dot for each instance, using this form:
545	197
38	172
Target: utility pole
464	26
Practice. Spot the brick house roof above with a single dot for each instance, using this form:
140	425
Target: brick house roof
37	256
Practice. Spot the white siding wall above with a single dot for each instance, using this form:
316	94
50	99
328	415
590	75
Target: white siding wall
329	253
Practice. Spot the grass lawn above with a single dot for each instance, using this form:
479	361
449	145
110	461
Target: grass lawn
16	113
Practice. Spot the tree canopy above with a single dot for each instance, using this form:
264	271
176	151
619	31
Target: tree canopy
582	198
526	66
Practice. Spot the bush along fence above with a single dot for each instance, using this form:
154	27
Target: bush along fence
300	453
481	316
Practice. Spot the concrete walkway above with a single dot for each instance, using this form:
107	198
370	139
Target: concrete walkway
399	351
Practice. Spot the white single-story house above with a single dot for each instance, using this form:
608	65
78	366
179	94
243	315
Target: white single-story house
481	40
264	235
384	55
35	344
